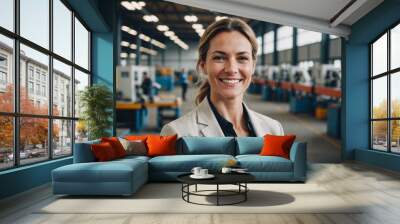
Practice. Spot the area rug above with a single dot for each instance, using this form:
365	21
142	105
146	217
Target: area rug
167	198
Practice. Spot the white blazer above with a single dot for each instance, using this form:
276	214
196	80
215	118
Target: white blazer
201	121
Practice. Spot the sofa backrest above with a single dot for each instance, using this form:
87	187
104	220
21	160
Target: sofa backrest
249	145
83	153
206	145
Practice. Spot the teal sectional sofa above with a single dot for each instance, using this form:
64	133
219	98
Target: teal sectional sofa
125	176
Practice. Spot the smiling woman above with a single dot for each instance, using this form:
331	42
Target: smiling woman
227	58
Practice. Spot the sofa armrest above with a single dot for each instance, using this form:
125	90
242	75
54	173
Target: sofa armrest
298	155
83	152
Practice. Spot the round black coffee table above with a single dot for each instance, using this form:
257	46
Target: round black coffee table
238	179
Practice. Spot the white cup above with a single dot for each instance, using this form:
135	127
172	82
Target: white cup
196	170
226	170
203	172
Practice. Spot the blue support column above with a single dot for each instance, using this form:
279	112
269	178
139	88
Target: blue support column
275	58
324	57
295	54
263	28
138	53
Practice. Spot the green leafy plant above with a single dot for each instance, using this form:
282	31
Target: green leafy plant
96	102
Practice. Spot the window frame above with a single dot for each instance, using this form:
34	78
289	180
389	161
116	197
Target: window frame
388	74
15	68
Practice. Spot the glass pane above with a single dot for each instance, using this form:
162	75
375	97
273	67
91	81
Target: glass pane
6	142
33	139
62	89
81	81
62	138
395	136
7	14
305	37
395	94
284	38
35	21
269	42
379	55
81	131
34	92
62	29
379	98
81	45
6	74
395	47
379	135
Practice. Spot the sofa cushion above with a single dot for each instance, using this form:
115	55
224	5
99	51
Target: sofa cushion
257	163
207	145
161	145
134	147
103	152
83	152
275	145
111	171
185	163
116	145
136	137
249	145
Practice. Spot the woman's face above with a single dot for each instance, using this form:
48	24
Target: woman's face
229	65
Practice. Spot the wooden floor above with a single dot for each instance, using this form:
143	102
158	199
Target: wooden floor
378	190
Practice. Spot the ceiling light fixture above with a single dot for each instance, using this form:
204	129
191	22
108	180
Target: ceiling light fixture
220	17
190	18
169	33
124	43
162	28
150	18
197	26
144	37
133	46
132	6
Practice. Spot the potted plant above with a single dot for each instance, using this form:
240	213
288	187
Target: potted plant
96	102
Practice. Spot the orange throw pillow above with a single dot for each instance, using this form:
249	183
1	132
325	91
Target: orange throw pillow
103	152
136	137
161	145
275	145
116	145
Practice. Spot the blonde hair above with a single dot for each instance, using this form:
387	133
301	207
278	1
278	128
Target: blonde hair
223	25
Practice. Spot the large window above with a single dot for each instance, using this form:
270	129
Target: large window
40	80
305	37
259	43
269	42
284	38
385	94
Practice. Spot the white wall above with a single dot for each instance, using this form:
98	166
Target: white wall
187	58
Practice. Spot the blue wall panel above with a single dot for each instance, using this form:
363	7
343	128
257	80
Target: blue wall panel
355	133
103	59
21	179
24	178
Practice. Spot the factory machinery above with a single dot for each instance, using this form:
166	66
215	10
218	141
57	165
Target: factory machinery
133	104
313	89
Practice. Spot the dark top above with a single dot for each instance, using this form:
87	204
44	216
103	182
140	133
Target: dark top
227	127
146	86
226	178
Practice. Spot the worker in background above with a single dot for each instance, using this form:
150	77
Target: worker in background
184	83
147	85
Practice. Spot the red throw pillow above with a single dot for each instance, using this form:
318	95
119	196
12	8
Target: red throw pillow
275	145
116	145
161	145
136	137
103	151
